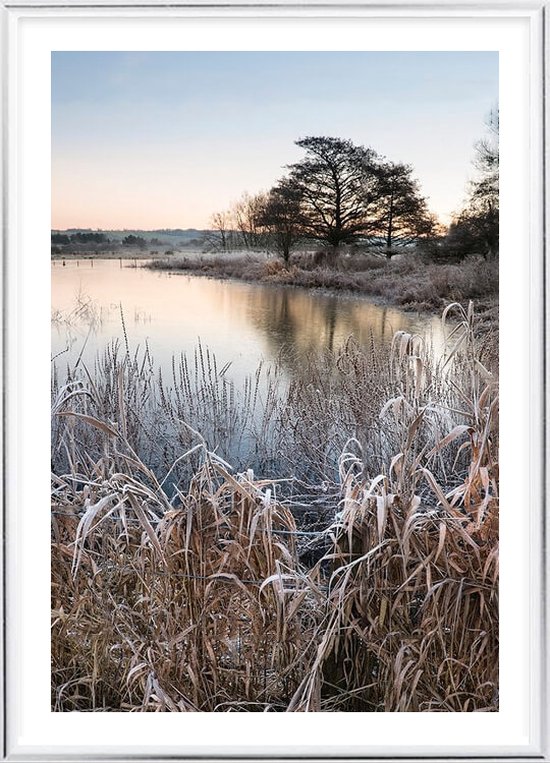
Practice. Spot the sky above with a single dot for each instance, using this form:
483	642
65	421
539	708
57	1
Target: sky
164	139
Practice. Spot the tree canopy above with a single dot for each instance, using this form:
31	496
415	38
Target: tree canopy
402	212
338	193
337	184
134	241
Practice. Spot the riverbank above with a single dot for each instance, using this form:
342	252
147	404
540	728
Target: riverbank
128	255
408	282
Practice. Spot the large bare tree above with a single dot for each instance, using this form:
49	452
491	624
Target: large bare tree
337	184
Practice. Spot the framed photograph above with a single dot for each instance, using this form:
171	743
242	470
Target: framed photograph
290	403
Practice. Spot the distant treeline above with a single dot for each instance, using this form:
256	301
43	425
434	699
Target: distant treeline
81	240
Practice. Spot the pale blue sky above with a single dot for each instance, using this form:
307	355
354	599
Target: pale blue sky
153	139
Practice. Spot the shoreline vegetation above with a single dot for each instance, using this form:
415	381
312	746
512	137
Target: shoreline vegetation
409	281
365	217
327	545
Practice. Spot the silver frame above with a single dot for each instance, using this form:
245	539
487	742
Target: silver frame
538	14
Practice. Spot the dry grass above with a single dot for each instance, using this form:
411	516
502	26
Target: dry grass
410	281
206	592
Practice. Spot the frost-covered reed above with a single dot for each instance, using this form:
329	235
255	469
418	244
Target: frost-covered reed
347	560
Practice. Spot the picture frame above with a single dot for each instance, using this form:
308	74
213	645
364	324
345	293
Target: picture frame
31	29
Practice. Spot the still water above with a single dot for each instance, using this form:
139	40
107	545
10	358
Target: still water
241	323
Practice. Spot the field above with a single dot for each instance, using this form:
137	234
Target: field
325	545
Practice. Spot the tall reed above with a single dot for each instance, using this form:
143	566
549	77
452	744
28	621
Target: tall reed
347	562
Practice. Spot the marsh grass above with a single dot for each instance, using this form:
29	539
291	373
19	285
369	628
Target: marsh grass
411	280
347	560
83	311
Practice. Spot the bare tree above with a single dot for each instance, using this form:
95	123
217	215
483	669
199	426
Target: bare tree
219	238
476	227
403	215
337	183
245	216
280	217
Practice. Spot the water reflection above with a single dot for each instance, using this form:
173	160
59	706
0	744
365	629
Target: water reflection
241	323
307	322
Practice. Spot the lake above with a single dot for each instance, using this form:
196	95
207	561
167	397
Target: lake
241	323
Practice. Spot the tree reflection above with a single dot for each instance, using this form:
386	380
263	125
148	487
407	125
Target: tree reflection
297	323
